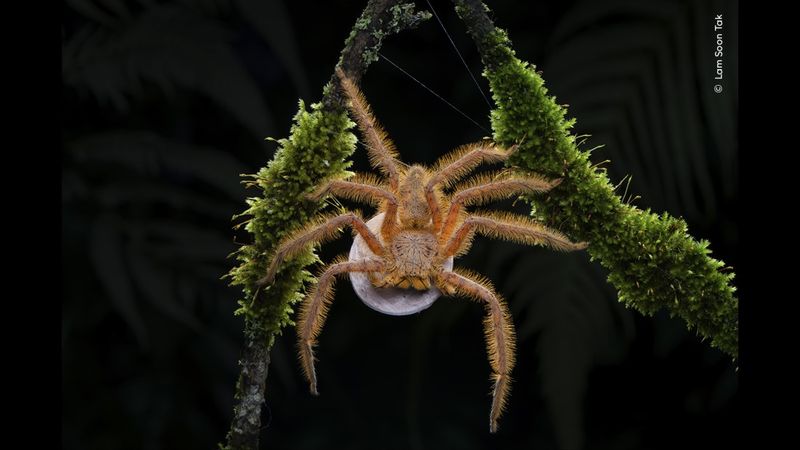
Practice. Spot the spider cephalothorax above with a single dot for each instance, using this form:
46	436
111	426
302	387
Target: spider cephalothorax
424	224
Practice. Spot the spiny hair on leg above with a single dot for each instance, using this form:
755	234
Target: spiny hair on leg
315	307
499	334
499	185
381	149
319	229
326	295
498	319
311	317
501	388
460	162
361	188
486	188
466	240
522	230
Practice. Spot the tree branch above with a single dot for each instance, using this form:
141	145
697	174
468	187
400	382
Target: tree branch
653	262
381	18
324	132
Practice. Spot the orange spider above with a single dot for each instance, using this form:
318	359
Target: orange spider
423	226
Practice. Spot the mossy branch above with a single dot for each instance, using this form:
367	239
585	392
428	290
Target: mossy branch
653	262
318	147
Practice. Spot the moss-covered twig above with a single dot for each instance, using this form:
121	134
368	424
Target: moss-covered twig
318	147
653	262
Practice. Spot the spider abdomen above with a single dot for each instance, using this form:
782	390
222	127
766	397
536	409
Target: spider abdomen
412	254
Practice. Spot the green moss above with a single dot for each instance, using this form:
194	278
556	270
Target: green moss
318	146
403	17
653	261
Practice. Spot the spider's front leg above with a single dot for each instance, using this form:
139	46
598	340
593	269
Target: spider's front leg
509	227
382	153
367	189
315	309
324	228
485	189
458	163
498	327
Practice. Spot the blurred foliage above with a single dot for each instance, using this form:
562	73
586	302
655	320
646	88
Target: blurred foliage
167	102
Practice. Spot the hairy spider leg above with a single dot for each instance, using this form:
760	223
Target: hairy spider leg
364	188
510	227
382	152
484	189
324	228
498	328
315	307
457	164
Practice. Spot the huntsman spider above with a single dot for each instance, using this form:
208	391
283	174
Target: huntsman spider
423	226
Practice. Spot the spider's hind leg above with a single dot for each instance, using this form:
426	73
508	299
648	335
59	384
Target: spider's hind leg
315	307
498	327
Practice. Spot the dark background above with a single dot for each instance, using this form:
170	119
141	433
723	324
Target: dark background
166	103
